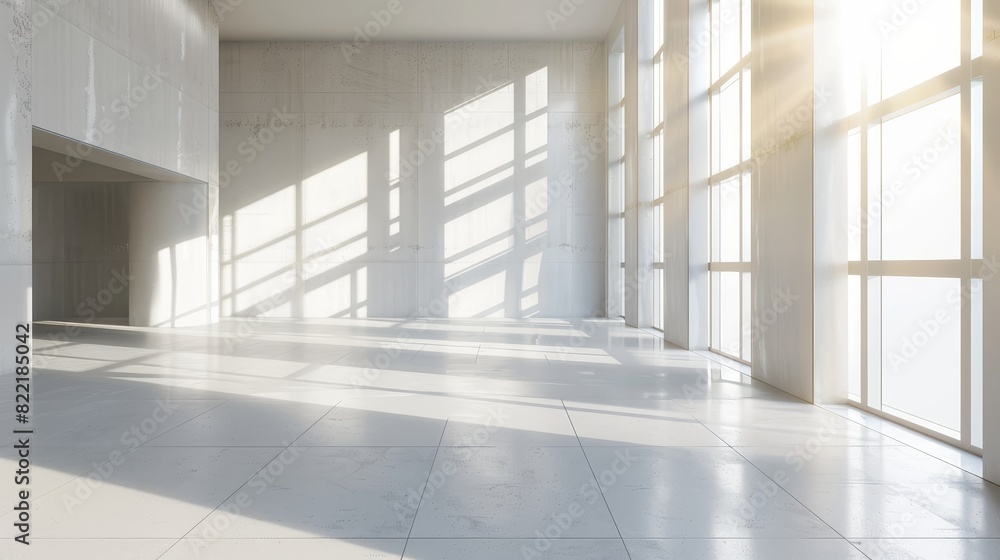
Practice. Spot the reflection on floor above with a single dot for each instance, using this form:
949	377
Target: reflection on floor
454	439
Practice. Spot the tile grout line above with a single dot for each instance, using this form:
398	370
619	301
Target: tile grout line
265	465
150	440
780	487
593	474
126	454
430	472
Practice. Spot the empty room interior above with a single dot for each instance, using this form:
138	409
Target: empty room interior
500	279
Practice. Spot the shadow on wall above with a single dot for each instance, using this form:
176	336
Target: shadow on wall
486	204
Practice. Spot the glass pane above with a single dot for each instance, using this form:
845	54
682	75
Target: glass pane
977	169
922	350
746	116
715	26
658	299
729	125
716	132
729	327
729	35
854	338
747	217
977	28
977	363
919	41
874	342
746	27
658	23
747	326
873	208
921	185
716	310
622	292
729	220
716	223
854	220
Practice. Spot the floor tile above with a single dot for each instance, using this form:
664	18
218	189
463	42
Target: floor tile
628	422
382	422
743	549
915	510
510	422
931	549
269	549
492	549
489	492
343	492
697	493
245	423
151	493
106	549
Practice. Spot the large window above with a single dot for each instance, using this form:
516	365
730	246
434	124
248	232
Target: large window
915	221
657	23
729	178
616	174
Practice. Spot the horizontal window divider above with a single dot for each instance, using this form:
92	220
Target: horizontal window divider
744	267
723	81
731	172
920	95
917	269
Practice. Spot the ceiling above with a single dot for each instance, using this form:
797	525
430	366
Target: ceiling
419	20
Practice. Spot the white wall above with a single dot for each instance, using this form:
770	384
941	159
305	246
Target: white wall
169	258
136	78
504	214
80	257
15	174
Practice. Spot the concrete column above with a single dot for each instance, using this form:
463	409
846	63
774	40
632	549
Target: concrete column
633	297
677	323
171	254
991	240
15	173
783	195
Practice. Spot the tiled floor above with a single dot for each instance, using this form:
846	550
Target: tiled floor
455	440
